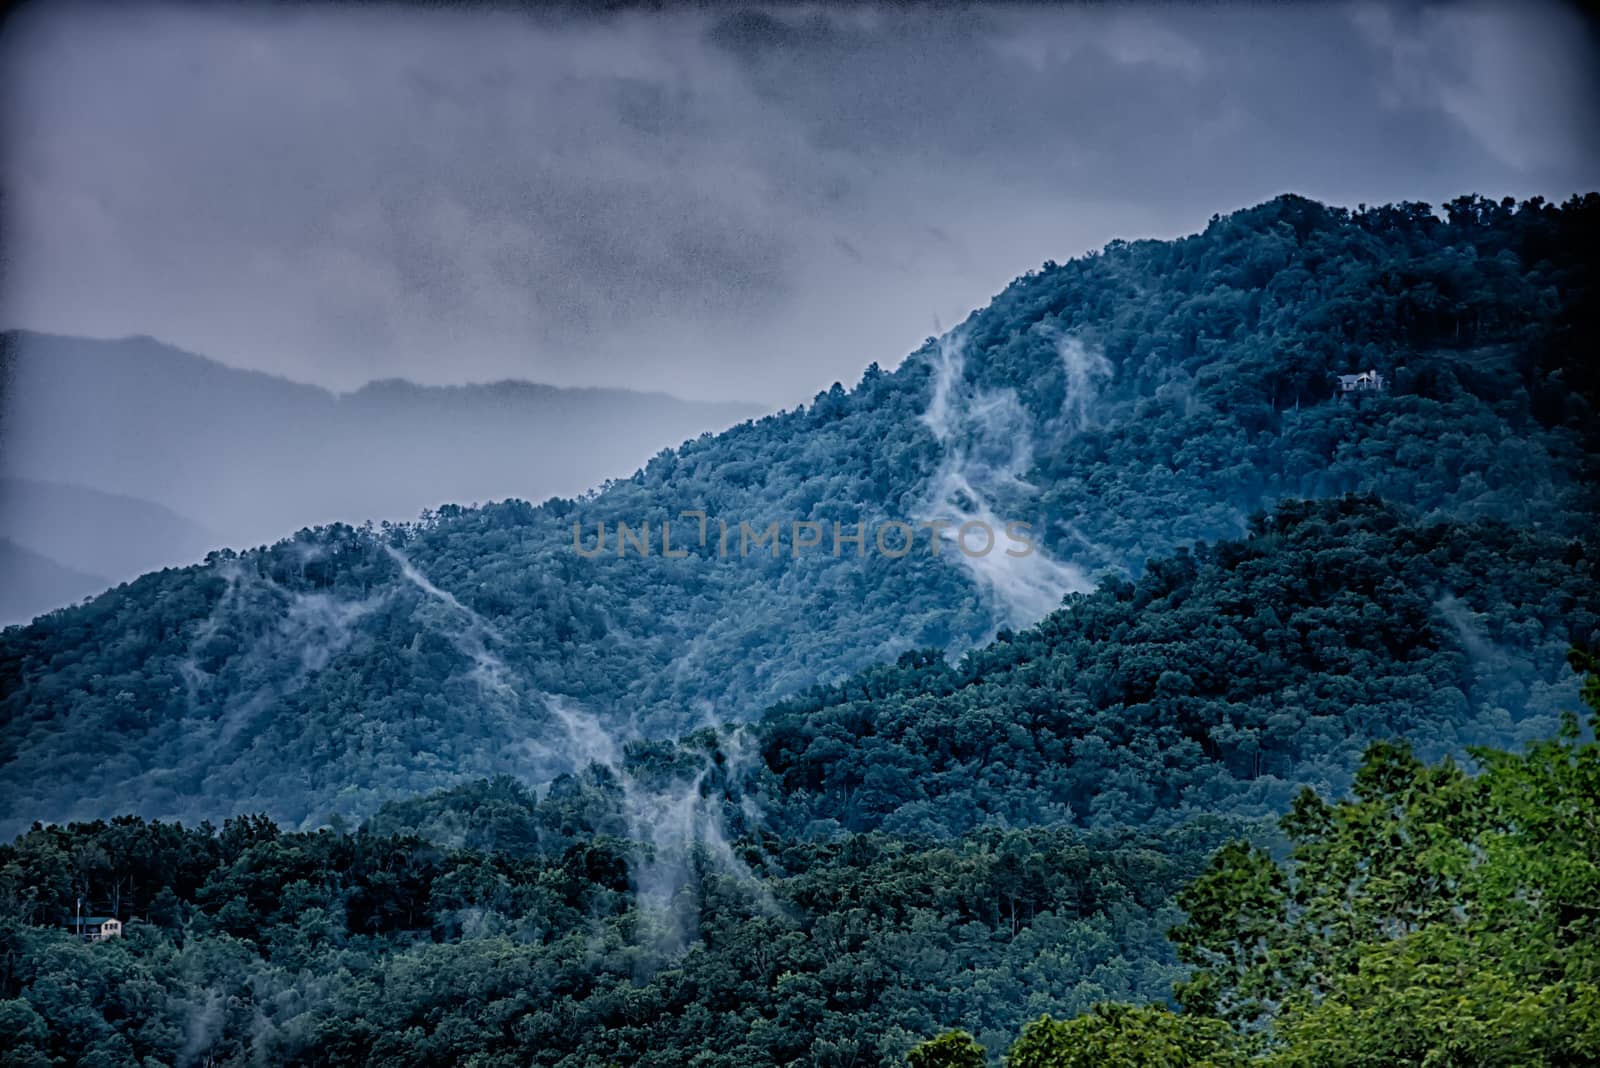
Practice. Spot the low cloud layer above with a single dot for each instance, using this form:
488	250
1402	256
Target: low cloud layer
716	202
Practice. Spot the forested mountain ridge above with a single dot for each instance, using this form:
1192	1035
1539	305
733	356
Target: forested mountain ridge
1124	403
1222	679
887	851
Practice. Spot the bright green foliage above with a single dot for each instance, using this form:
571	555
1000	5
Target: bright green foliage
1122	1036
953	1049
1435	918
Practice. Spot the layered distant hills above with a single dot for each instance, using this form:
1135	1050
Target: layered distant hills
1124	405
70	542
31	583
121	457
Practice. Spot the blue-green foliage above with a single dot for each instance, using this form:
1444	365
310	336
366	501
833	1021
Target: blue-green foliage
522	943
867	855
1161	392
1221	680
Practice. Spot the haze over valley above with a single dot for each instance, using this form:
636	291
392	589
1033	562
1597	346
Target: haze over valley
122	457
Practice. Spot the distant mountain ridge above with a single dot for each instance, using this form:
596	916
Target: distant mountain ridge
103	537
31	583
248	458
1124	404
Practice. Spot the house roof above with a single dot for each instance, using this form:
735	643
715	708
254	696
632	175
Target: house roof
95	921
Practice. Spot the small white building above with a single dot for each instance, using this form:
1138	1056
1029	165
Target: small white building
97	928
1363	382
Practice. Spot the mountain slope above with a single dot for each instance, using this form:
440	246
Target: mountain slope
679	903
1222	680
1123	404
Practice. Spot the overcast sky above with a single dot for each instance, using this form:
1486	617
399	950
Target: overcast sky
718	202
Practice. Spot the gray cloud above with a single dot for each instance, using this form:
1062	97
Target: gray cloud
714	202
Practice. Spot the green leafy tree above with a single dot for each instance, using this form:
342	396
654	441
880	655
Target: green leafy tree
1126	1036
1434	918
953	1049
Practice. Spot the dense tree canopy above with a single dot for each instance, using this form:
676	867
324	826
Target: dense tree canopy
1299	793
367	948
1434	917
1438	916
1221	680
1125	404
